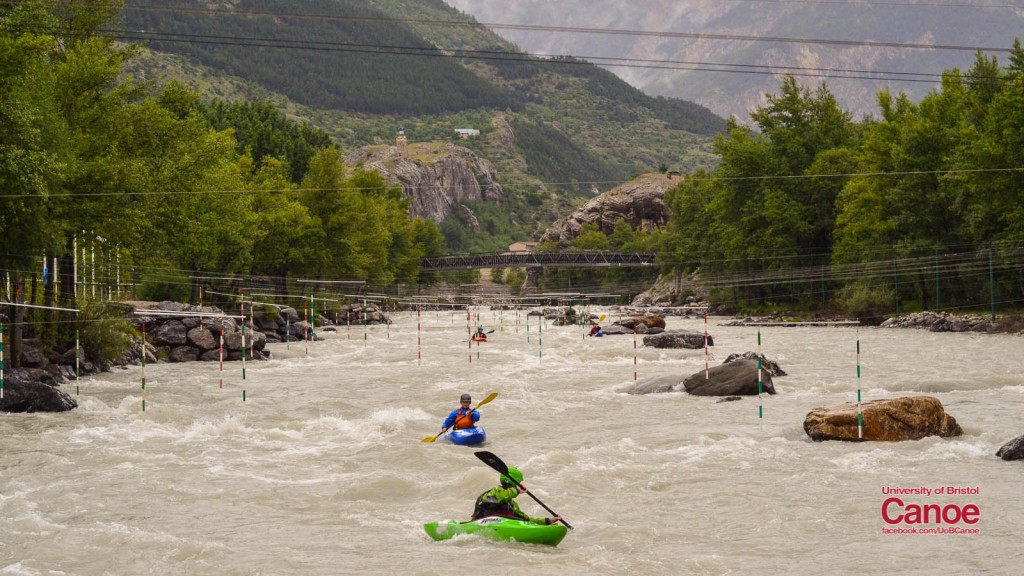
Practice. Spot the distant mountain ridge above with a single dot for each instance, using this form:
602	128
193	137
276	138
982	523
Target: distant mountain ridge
666	62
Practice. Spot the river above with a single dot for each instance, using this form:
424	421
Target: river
321	470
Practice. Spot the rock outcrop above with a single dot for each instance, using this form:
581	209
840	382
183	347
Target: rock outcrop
738	378
436	177
639	202
891	420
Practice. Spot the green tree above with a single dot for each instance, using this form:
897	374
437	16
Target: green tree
28	166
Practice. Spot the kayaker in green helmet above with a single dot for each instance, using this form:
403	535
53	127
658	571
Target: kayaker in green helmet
501	500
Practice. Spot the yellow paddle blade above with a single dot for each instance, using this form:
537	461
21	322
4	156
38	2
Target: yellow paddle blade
603	316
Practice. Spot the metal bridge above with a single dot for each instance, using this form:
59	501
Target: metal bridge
588	259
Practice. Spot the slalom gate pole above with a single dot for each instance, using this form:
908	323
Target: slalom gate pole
243	358
305	329
220	353
634	351
143	366
540	340
760	385
706	355
860	416
252	341
243	350
419	352
1	361
78	357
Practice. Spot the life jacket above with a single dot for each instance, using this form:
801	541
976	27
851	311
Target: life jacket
464	419
487	505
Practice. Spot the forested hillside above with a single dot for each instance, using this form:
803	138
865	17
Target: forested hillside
558	131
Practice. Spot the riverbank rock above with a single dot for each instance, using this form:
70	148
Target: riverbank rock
31	394
890	420
738	378
943	322
678	339
1012	450
195	336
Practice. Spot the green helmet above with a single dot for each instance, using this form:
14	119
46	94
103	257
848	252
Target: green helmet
514	474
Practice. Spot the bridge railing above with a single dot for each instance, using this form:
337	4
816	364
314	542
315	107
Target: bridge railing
538	259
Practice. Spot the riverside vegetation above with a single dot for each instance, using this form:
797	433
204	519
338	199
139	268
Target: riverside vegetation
914	209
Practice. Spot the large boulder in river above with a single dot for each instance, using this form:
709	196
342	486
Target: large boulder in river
1012	450
33	396
678	339
770	366
904	418
658	385
642	323
738	378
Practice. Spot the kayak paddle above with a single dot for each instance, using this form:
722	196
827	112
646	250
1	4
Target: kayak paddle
490	397
496	463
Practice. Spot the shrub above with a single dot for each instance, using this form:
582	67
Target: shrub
159	286
864	301
105	334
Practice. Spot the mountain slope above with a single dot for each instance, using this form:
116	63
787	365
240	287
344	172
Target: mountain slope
669	60
557	131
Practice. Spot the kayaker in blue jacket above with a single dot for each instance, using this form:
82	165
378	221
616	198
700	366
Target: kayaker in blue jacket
501	500
462	417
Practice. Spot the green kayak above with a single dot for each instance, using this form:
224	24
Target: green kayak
497	528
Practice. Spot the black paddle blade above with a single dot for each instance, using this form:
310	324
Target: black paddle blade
492	461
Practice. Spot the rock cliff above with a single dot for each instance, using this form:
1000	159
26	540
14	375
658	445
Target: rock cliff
436	177
640	202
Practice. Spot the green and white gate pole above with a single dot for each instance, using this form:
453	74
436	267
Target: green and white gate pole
706	355
540	341
860	416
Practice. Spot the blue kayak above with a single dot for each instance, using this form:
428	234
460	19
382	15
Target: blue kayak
467	436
